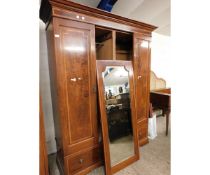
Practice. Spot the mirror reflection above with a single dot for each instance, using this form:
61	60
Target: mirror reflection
118	110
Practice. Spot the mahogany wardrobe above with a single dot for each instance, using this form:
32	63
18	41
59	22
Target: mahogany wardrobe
77	36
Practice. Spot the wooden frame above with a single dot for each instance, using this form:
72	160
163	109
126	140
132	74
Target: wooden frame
101	66
43	159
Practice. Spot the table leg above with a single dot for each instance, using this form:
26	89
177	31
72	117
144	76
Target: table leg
167	122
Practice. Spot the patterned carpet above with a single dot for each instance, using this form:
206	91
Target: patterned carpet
155	157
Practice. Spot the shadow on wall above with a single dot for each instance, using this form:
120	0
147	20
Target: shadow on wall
45	91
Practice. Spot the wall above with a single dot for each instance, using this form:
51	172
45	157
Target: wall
160	57
45	91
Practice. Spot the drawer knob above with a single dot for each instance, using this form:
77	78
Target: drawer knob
81	160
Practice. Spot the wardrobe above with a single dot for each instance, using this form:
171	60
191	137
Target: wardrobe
77	36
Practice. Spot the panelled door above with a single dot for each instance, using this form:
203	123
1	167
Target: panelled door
142	76
76	78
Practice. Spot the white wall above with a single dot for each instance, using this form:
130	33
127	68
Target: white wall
45	91
160	57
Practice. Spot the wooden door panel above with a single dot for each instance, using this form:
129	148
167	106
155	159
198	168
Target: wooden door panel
142	71
76	54
141	85
77	78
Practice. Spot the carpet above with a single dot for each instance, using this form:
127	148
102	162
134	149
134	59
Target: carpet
154	157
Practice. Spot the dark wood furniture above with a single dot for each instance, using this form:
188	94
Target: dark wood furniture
119	116
101	67
162	99
76	37
43	160
118	122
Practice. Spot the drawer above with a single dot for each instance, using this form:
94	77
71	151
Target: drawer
83	160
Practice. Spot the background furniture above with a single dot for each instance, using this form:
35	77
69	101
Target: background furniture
156	83
77	36
119	116
160	97
119	122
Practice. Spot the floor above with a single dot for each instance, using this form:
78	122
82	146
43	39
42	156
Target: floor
155	157
121	149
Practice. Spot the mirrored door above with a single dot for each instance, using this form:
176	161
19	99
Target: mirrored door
118	116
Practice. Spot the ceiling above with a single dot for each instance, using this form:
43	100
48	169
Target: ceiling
155	12
116	76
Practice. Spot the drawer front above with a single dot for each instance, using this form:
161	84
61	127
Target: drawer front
83	160
143	129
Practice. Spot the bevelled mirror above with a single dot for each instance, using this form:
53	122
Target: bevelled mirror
118	114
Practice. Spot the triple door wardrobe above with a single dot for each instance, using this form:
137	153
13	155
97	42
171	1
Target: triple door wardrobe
77	36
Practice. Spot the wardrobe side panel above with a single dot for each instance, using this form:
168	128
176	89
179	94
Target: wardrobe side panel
53	84
142	84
